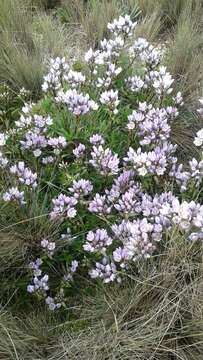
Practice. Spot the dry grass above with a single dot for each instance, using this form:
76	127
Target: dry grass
156	314
185	53
92	17
27	41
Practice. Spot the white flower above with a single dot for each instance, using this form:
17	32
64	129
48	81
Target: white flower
3	139
199	138
110	98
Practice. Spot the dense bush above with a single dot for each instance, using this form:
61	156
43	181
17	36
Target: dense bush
94	167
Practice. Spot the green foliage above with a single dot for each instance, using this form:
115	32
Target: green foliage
157	314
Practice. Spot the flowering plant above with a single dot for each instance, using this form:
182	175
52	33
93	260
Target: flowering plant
98	150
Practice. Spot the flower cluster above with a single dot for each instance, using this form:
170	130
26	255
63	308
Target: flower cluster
123	25
135	83
71	270
104	161
151	162
64	206
151	56
97	241
100	205
77	103
200	111
110	99
162	81
74	78
81	188
13	194
39	281
152	124
199	139
79	151
57	68
36	137
119	192
24	174
48	246
105	270
3	160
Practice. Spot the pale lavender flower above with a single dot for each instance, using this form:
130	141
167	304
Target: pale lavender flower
138	237
81	188
140	242
100	205
163	81
152	126
96	139
3	160
48	246
52	304
104	161
187	215
122	184
38	122
24	122
24	174
64	206
182	177
77	103
196	236
113	70
79	151
135	83
74	266
122	25
97	240
57	68
196	169
110	99
199	138
71	270
121	256
13	194
200	111
178	99
140	44
3	138
154	162
74	78
148	54
89	56
158	208
35	142
106	271
110	49
129	202
39	284
48	160
57	143
35	266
